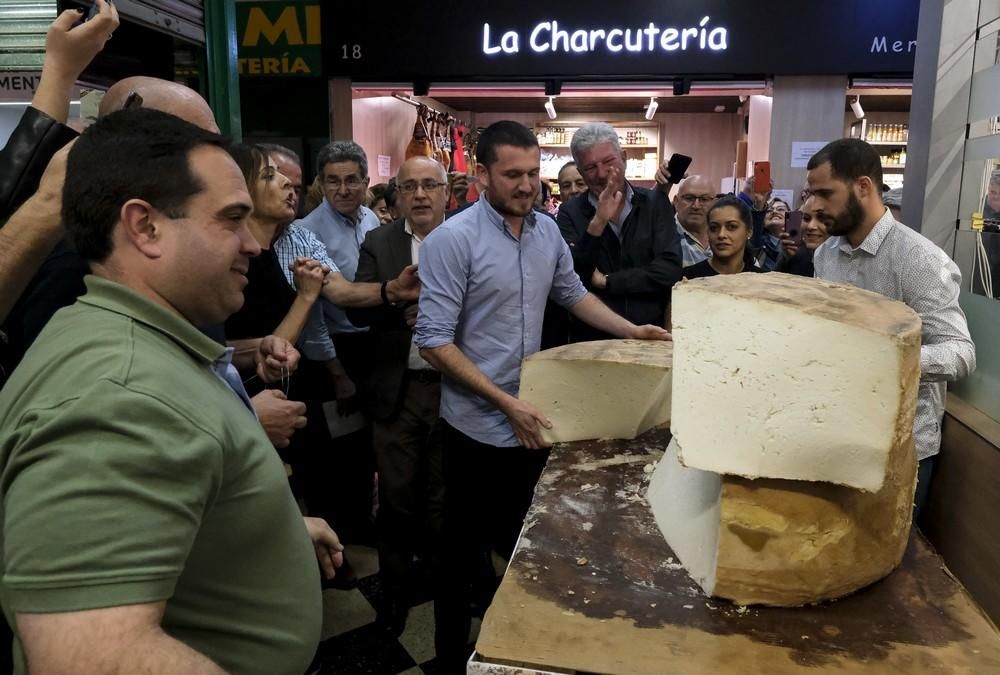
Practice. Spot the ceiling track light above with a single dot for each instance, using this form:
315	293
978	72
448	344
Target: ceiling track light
550	109
651	108
859	112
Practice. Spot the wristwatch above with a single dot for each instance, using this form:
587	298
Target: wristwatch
385	295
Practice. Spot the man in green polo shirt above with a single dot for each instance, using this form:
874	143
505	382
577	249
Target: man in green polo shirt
147	521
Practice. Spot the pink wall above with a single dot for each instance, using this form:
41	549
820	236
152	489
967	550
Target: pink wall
383	125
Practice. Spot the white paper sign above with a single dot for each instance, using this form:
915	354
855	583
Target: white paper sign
802	152
784	195
384	166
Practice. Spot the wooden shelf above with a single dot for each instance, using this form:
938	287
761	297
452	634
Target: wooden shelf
890	143
895	167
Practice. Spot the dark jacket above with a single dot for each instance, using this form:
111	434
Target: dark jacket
384	254
34	141
801	263
641	268
23	159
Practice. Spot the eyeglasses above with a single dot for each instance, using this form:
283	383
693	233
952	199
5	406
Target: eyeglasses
691	199
409	187
351	182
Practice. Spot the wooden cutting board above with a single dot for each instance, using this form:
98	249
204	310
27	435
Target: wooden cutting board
594	587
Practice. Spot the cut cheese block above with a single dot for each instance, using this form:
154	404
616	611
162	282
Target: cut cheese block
781	376
780	542
601	389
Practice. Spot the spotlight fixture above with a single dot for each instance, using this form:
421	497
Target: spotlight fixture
651	108
859	112
550	109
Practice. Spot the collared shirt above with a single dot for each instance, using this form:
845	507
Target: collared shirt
484	290
225	370
415	361
342	238
294	242
616	227
900	263
692	252
126	461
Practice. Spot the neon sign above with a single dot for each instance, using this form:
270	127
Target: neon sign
547	36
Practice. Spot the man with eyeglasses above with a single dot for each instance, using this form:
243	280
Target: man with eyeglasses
341	223
406	392
624	248
694	198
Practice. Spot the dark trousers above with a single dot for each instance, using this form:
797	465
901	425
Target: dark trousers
410	484
925	471
488	490
338	484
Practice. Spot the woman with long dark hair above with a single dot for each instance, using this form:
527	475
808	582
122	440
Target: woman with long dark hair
730	227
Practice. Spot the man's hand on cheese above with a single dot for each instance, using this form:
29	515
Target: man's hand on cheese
527	420
650	332
609	203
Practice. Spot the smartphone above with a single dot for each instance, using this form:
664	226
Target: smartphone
93	11
677	167
793	225
762	177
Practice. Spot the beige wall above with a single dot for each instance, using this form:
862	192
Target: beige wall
709	138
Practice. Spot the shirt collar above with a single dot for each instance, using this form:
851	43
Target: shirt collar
874	240
687	235
362	214
498	220
120	299
409	230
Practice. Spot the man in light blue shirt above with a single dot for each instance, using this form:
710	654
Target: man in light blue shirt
486	274
694	198
341	221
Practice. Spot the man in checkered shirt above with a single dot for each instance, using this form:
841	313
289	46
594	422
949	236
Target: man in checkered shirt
869	249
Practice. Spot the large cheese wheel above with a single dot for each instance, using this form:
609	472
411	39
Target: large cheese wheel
781	376
601	389
781	542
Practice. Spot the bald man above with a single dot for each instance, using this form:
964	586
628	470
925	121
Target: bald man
406	389
694	198
59	280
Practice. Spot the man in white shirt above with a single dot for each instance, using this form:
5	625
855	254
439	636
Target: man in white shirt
404	389
869	249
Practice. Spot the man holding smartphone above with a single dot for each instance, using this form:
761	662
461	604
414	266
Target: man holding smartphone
622	236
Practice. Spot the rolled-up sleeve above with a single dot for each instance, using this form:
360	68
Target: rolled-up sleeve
567	289
315	341
317	250
444	276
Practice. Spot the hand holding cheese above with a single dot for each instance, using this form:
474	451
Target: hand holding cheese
650	332
528	423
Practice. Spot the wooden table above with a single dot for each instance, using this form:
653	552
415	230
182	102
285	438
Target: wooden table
594	587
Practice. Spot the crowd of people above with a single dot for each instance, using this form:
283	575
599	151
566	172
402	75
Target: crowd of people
193	361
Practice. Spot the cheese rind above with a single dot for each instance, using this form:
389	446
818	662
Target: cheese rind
779	542
599	390
814	381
